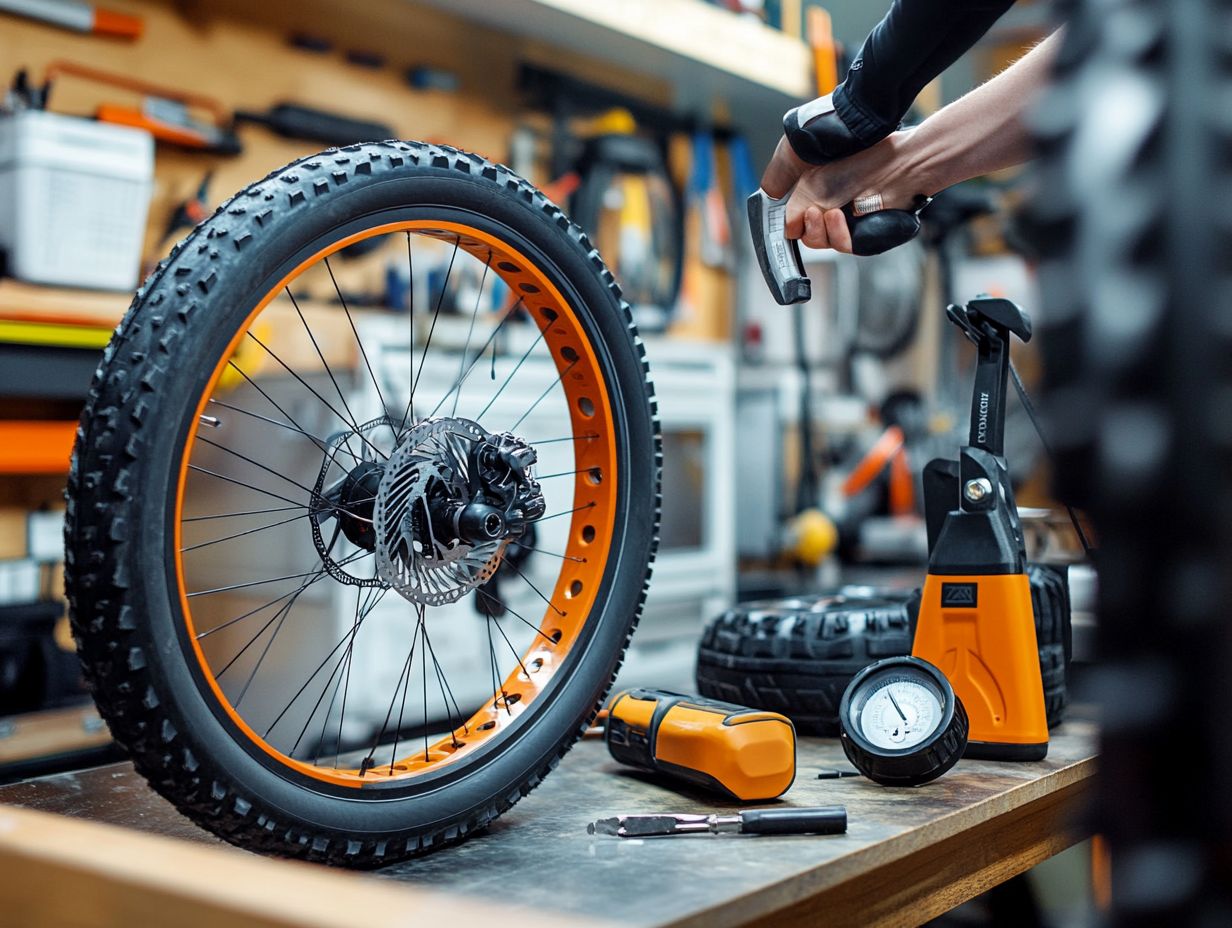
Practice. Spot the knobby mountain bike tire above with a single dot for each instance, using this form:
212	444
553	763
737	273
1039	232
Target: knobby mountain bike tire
796	656
276	521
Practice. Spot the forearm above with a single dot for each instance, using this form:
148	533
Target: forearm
983	131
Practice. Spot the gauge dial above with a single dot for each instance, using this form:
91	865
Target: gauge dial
900	714
901	723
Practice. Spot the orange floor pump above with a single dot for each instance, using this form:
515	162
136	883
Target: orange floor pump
976	622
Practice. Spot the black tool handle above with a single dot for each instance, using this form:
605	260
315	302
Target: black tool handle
874	233
305	122
822	820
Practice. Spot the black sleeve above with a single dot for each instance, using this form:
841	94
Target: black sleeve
916	41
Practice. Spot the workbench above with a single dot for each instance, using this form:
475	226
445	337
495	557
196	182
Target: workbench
909	854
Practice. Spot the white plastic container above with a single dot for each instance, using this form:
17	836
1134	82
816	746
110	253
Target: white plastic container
74	195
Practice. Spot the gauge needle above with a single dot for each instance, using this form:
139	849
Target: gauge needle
897	707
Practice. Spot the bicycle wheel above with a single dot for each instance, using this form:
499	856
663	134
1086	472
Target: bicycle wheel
285	513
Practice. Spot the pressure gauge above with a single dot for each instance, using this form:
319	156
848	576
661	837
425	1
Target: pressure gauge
901	724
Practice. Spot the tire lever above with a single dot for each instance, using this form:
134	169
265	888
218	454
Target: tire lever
777	256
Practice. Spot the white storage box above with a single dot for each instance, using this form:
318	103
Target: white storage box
73	199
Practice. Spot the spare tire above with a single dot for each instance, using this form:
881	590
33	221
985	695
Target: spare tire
796	656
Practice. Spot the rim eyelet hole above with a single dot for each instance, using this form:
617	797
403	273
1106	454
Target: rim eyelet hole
555	635
509	266
528	288
575	589
586	406
569	354
588	534
594	476
486	726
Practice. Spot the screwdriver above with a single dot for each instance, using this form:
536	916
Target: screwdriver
746	754
821	820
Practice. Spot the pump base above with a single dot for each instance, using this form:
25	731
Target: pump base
989	750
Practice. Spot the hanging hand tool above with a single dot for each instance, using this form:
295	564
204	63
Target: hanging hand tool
295	121
182	118
743	753
822	820
77	17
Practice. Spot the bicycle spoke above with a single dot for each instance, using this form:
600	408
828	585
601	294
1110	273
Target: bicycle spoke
320	354
551	605
495	675
241	586
316	440
406	673
346	688
471	330
543	395
249	486
424	664
516	655
565	473
282	611
311	677
410	354
346	656
563	557
326	403
435	315
291	419
445	687
516	368
312	494
251	531
457	385
550	441
252	612
362	352
565	513
246	512
538	631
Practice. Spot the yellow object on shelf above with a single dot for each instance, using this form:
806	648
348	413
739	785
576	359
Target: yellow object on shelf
811	537
54	335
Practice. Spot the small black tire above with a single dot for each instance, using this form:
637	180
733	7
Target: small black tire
796	656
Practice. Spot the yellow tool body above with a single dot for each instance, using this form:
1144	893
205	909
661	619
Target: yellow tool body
744	753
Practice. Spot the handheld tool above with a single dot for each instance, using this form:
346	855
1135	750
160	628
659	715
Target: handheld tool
295	121
822	820
743	753
183	118
77	16
819	137
976	621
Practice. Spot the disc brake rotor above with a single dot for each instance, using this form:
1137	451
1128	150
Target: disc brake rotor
451	498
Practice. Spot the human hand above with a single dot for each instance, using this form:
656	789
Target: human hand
814	212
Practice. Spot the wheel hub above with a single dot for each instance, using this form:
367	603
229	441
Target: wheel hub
450	499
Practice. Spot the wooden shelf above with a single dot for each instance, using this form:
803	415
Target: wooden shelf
704	51
50	733
22	302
